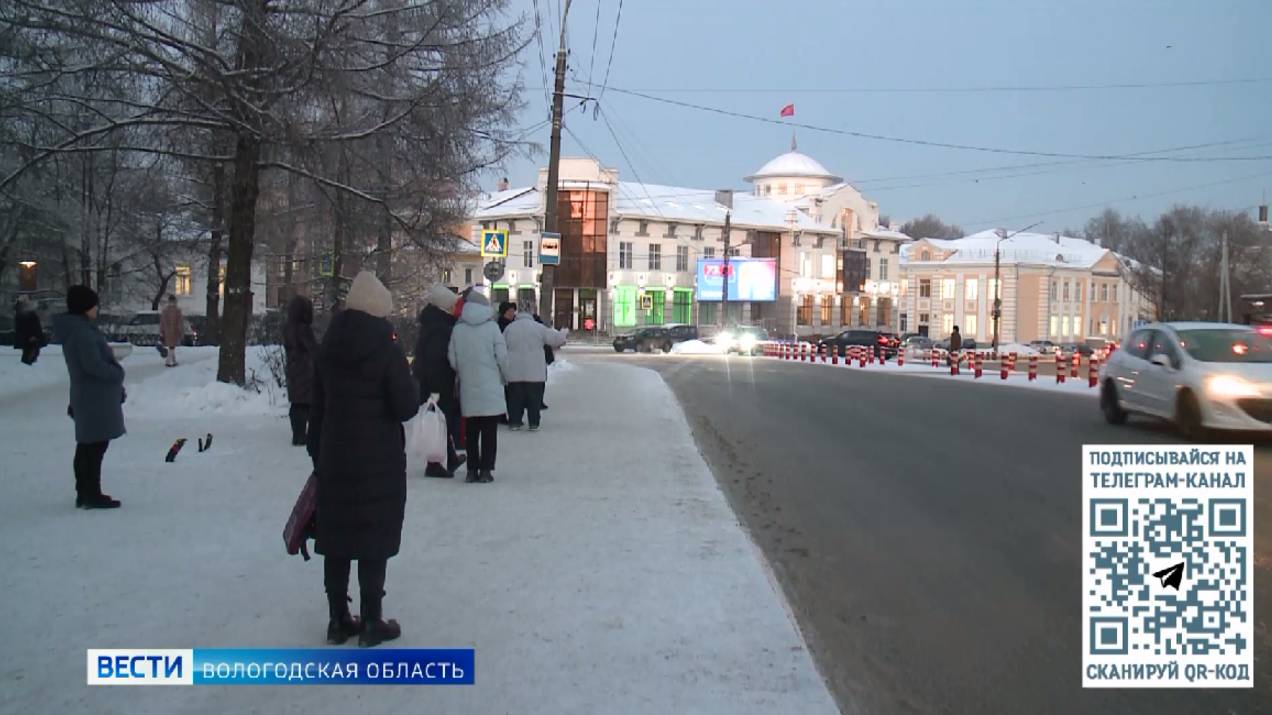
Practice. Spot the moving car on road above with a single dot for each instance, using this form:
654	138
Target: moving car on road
1080	348
885	344
644	340
1197	375
743	339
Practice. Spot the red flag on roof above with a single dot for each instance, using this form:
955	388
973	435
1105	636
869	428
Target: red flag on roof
787	111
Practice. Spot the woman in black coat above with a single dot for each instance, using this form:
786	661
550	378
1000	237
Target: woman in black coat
433	372
362	393
28	334
301	346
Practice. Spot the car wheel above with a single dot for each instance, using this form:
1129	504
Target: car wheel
618	349
1188	416
666	347
1113	412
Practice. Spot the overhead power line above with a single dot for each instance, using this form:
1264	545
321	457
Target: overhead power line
956	90
929	142
596	31
613	41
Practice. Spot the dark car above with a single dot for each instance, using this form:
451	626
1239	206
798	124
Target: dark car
681	333
968	344
1080	348
645	340
143	329
202	331
885	344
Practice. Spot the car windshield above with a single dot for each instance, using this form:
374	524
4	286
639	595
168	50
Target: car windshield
1233	345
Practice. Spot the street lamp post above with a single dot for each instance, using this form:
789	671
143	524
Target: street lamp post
998	282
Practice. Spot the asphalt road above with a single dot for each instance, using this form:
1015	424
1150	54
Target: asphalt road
928	533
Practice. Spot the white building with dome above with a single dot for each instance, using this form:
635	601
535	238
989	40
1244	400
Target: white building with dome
630	250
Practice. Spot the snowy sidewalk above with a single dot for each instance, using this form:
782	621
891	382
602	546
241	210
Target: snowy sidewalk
603	570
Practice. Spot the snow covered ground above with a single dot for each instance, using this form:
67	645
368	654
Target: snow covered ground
697	347
595	575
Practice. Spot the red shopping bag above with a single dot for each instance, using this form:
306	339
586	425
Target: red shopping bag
302	523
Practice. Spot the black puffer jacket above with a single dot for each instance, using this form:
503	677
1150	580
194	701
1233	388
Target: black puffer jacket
301	347
363	392
431	367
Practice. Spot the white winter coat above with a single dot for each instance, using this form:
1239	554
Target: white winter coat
526	339
479	356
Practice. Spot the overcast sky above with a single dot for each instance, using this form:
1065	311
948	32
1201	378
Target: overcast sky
754	57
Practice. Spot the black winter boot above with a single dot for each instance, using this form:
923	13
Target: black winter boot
376	630
342	625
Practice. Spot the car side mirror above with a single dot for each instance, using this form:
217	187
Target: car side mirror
1161	360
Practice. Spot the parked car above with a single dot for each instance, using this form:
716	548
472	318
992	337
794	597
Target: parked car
885	344
1197	375
1046	347
748	339
1080	348
968	344
199	324
914	342
143	329
681	333
644	340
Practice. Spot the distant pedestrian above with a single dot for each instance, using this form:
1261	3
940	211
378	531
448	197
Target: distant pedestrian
956	346
362	393
171	330
434	373
97	393
507	313
301	347
28	334
480	358
527	364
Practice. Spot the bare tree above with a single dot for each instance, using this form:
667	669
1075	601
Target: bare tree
930	226
428	81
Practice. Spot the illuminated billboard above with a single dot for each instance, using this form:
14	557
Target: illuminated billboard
750	279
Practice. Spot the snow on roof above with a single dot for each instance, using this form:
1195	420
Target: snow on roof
677	203
1038	248
794	163
512	202
888	234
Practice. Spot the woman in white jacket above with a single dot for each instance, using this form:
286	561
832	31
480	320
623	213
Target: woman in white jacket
527	364
480	358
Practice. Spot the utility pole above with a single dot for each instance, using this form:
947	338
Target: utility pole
998	281
1225	290
547	282
725	197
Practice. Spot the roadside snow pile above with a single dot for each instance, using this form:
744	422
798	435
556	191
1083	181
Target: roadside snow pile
192	388
1018	348
697	347
50	368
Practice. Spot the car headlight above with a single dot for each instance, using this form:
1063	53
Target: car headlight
1230	387
746	342
725	338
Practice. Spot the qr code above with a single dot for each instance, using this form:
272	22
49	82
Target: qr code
1167	571
1205	612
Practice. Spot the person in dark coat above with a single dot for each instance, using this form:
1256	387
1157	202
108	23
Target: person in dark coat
506	314
433	372
301	345
97	393
362	393
28	334
956	346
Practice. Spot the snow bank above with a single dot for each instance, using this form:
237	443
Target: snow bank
697	347
191	388
50	368
1018	348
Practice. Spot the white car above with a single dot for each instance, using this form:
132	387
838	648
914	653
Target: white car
1197	375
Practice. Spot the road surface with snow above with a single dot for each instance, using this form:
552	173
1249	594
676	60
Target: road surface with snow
927	528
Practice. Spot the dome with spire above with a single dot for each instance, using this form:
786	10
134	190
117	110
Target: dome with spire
791	175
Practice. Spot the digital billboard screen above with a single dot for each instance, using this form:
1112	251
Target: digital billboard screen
750	279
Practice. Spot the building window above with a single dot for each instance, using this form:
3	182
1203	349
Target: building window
971	289
1077	292
28	276
624	306
768	189
969	325
1104	296
827	266
781	189
671	230
799	189
947	288
708	252
867	266
883	269
1054	291
925	256
468	276
446	276
1065	294
947	324
697	232
845	312
905	322
1054	327
924	319
527	250
925	288
655	256
825	310
642	228
991	284
682	258
1064	326
804	313
181	281
682	306
805	265
625	255
734	251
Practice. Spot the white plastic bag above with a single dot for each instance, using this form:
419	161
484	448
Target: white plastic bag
426	437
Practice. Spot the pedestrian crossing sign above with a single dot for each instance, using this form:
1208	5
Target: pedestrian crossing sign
494	243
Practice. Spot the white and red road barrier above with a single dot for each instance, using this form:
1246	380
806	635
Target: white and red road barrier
1033	368
933	356
1013	362
1004	365
1060	368
1077	360
979	368
901	357
1093	372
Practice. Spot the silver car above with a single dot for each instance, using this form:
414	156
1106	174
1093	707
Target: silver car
1197	375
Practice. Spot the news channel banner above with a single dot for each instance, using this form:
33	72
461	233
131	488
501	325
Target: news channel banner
280	666
1168	566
